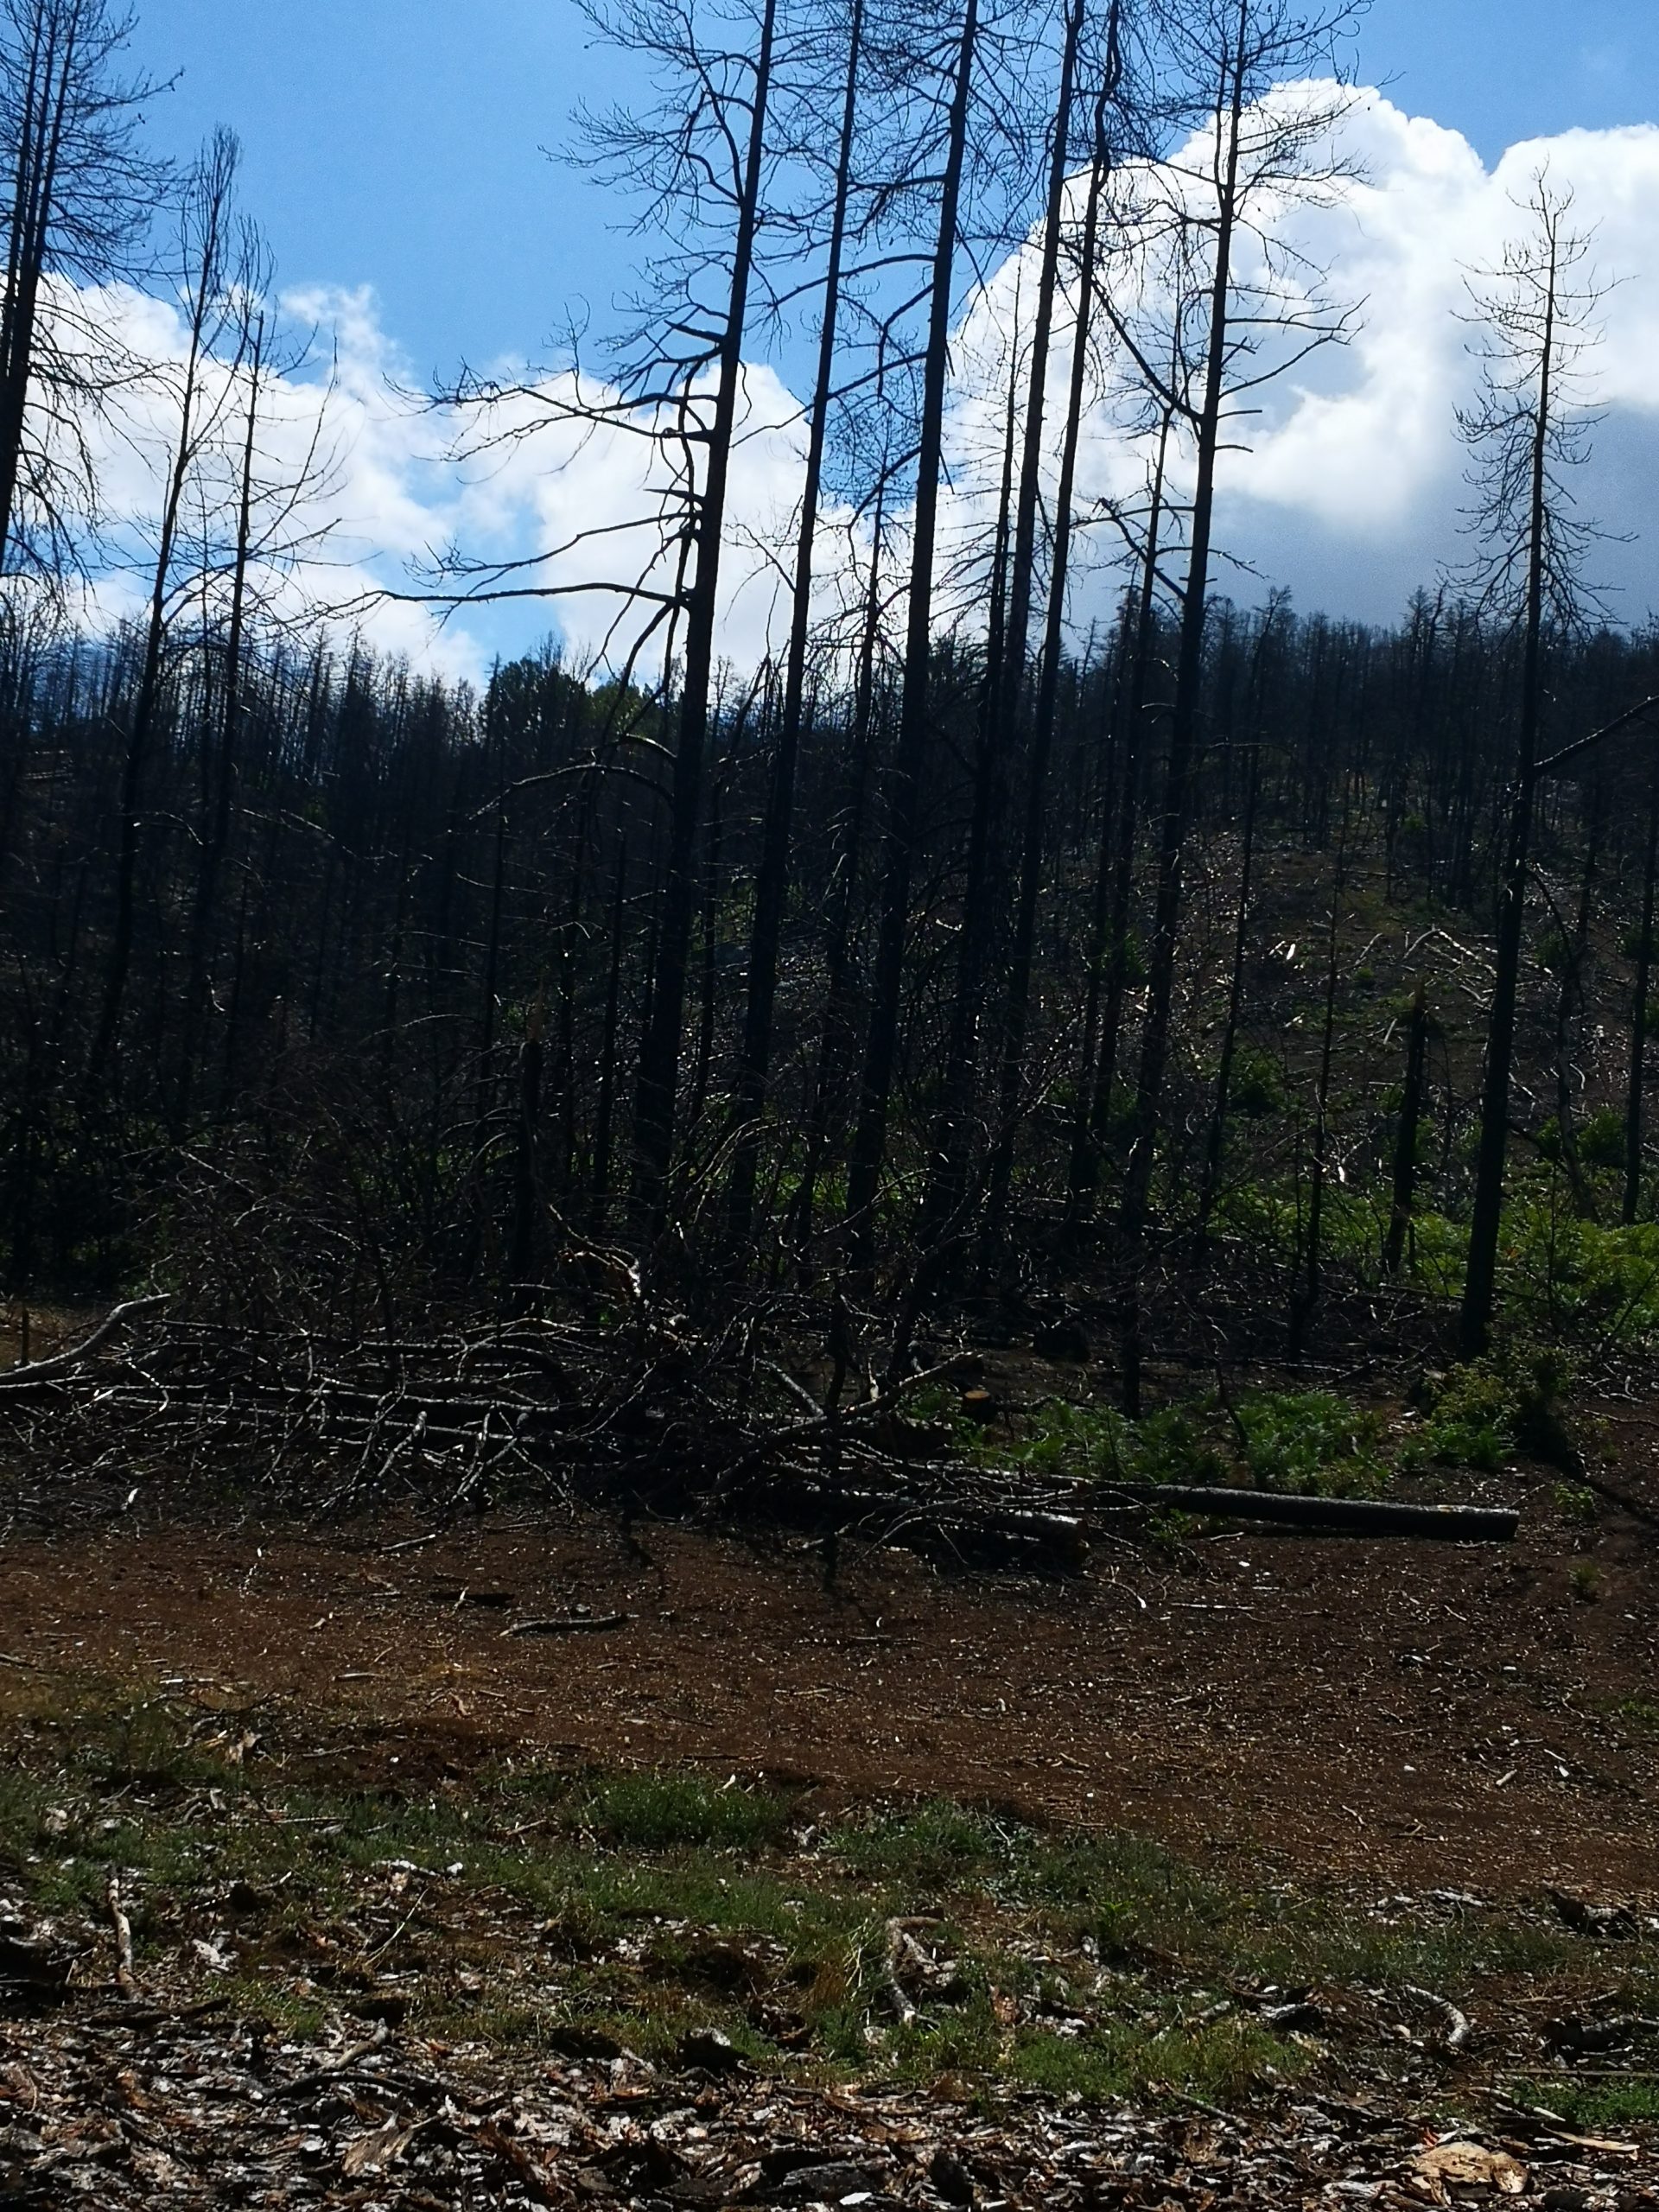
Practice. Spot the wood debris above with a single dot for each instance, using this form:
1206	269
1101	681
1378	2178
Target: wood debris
208	2111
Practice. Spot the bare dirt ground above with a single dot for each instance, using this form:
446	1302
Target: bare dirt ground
1357	1719
1399	1713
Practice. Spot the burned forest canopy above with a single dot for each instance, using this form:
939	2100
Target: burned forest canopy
1193	983
410	1083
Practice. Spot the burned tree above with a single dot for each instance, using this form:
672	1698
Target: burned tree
77	201
1527	428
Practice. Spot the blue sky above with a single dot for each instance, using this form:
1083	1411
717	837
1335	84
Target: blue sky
397	143
397	148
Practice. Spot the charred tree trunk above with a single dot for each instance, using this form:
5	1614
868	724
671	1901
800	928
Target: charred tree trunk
772	882
1305	1296
523	1247
1406	1137
1081	1164
41	112
1480	1283
870	1136
838	1038
1017	1014
599	1178
1634	1096
948	1181
1178	775
206	274
705	1056
1102	1077
659	1057
219	795
1210	1182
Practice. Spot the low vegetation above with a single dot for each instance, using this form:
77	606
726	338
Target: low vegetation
1476	1418
528	1907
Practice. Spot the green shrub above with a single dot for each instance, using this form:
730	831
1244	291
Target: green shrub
1263	1217
1257	1085
1439	1254
1179	1444
1313	1443
1601	1140
1554	951
1480	1415
1562	1275
1471	1416
1306	1441
1541	1375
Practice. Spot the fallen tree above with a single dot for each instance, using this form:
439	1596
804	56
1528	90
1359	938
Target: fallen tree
1344	1517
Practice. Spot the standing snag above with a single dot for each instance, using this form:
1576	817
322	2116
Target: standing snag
1527	428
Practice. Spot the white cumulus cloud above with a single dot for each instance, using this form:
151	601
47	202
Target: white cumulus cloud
1347	488
1353	486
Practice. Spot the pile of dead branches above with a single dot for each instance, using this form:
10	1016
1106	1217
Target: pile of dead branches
645	1417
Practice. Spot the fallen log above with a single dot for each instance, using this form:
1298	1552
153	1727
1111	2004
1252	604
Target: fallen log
1343	1516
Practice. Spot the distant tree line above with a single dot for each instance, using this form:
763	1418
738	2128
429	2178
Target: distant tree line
430	955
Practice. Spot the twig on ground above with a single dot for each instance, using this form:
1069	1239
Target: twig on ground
122	1928
569	1624
1457	2025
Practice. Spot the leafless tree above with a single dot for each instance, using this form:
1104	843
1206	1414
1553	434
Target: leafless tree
217	266
1237	309
1529	428
79	195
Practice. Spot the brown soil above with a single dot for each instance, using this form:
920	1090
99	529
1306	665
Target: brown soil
1398	1713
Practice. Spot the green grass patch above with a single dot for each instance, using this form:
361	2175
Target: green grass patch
574	1913
1597	2107
1223	2064
667	1811
934	1846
